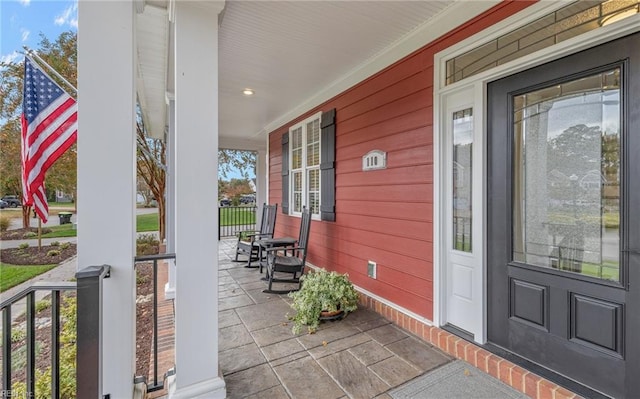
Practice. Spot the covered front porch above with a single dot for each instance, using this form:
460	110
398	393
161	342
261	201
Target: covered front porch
318	89
366	355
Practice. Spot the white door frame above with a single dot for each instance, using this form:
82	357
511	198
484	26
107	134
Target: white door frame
478	84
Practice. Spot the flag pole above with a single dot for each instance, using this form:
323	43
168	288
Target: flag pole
33	54
39	233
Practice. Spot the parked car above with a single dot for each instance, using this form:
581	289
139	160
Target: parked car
248	199
225	202
3	204
12	200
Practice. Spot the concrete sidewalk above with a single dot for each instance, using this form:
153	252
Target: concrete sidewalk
66	271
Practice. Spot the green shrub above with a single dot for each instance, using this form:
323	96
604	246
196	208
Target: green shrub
65	245
53	252
67	360
140	279
17	335
42	305
24	245
29	234
19	358
5	222
55	244
321	291
147	244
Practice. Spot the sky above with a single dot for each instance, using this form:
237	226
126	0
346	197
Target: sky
22	21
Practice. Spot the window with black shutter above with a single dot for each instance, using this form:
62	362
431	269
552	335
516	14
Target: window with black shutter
308	167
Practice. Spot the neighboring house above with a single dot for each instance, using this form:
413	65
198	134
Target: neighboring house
500	79
61	196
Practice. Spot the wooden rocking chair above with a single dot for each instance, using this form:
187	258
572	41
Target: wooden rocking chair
247	239
289	260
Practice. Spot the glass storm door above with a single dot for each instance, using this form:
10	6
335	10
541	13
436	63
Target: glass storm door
563	226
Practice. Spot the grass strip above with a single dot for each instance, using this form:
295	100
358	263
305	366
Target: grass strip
12	275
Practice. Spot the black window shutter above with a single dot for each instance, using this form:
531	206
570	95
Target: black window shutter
285	173
328	166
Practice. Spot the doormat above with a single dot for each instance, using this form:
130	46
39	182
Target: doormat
455	380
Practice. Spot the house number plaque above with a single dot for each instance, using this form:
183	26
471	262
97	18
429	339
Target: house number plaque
374	159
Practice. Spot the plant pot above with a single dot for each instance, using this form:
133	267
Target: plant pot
334	315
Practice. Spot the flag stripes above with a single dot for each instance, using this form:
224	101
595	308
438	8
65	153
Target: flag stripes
49	128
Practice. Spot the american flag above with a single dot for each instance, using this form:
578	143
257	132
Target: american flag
49	128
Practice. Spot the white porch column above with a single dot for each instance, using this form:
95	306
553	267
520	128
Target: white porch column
107	176
261	177
170	214
196	96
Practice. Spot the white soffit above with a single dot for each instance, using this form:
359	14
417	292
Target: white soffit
290	51
152	30
293	54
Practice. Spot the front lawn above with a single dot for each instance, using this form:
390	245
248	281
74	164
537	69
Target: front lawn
148	222
64	230
13	275
234	216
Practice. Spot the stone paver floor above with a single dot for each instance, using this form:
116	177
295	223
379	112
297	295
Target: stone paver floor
362	356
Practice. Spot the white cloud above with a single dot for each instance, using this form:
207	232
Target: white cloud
25	34
8	58
25	2
68	17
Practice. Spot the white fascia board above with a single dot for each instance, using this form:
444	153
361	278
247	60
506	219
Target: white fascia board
241	144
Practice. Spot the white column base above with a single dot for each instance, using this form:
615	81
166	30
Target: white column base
169	291
209	389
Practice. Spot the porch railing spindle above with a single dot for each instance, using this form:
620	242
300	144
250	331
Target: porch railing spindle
156	384
55	344
6	352
155	322
31	344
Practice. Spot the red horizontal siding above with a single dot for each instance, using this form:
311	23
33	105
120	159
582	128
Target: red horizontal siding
384	215
416	119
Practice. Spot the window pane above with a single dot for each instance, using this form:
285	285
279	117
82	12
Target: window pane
313	182
296	158
296	148
297	191
462	163
566	187
313	143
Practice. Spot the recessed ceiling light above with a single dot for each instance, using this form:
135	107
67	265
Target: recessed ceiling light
247	92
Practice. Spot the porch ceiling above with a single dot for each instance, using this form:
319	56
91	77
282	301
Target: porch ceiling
286	51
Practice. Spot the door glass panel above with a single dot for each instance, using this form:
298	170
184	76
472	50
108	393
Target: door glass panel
566	185
461	184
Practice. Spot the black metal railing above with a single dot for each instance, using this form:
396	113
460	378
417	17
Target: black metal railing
89	300
156	384
7	328
234	219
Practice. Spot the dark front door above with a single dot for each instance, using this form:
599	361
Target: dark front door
564	216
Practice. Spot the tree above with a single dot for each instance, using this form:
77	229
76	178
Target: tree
151	168
241	160
235	188
61	54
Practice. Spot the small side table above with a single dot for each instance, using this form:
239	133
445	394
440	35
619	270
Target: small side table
270	243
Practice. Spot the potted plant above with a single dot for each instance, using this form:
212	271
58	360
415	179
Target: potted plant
322	291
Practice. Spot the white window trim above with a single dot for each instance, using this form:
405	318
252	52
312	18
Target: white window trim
305	192
478	83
